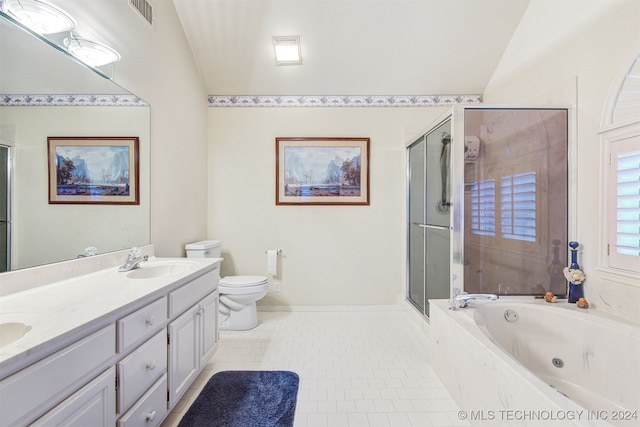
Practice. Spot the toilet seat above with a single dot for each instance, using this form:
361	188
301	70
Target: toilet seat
243	285
242	281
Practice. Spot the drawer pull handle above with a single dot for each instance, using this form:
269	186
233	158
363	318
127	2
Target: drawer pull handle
151	365
150	320
151	416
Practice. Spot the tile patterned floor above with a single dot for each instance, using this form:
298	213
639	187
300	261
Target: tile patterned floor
356	368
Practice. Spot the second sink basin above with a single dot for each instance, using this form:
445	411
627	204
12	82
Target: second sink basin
11	332
15	325
151	271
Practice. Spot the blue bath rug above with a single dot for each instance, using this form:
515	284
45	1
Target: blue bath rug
245	399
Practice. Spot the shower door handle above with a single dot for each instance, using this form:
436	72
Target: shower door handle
432	227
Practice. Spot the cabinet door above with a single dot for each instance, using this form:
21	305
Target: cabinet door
55	377
93	405
209	327
184	362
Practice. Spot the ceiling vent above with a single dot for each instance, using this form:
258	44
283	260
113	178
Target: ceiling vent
144	8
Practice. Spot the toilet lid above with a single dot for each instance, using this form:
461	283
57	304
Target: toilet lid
242	281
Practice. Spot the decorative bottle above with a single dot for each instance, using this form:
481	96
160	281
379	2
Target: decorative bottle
574	275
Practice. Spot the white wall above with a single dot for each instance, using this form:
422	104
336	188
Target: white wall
569	53
333	255
166	76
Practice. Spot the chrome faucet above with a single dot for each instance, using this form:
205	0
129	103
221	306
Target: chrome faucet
133	260
462	299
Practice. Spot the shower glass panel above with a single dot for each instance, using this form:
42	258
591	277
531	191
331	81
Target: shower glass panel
5	243
515	200
429	218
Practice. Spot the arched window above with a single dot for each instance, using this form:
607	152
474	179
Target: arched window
620	137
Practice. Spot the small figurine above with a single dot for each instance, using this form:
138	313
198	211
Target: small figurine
582	303
550	297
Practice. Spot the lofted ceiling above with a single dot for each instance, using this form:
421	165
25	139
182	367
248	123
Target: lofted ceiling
350	47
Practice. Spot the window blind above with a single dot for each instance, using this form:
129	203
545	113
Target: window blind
483	207
518	206
628	203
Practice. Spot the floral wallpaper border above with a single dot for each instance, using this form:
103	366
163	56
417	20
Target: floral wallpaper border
248	100
341	101
71	101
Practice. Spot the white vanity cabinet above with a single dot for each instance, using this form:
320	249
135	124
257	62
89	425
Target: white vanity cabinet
193	335
129	371
31	391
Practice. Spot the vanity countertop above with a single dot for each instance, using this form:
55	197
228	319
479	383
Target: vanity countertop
64	311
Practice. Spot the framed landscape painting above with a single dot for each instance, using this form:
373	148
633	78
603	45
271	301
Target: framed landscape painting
322	171
94	170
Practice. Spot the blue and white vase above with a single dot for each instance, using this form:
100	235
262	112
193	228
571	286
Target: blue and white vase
574	275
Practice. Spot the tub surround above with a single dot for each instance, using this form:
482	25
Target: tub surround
490	384
591	358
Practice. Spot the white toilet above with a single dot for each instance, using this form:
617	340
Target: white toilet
238	294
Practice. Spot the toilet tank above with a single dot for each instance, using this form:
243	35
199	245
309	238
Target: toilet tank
203	249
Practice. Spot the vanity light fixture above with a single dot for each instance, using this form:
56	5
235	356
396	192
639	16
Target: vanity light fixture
91	53
39	16
287	50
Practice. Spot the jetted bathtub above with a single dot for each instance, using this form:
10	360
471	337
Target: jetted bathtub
529	362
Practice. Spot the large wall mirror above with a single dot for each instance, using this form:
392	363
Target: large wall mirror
36	81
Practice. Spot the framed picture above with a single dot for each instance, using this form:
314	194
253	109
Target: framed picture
89	170
322	171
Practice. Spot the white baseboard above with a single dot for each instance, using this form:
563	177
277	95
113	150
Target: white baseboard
393	307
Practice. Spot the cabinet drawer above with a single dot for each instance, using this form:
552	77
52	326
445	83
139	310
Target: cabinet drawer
150	410
92	405
141	324
140	369
183	298
50	380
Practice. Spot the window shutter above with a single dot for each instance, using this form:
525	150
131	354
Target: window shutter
518	206
624	223
483	207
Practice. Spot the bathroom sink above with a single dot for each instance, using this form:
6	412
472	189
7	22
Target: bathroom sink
164	269
11	332
15	325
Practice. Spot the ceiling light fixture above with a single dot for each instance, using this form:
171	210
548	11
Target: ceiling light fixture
39	16
91	53
287	50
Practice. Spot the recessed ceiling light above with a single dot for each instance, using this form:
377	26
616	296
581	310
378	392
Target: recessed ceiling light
90	52
39	16
287	50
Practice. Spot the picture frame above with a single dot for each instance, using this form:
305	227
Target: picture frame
322	171
94	170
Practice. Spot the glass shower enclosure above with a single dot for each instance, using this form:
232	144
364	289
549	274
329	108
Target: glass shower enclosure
429	216
488	202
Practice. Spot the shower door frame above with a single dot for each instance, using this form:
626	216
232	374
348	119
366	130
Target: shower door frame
448	116
8	205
